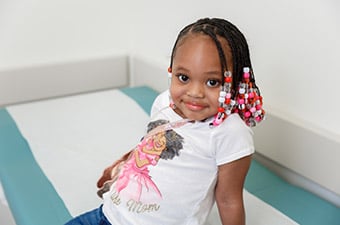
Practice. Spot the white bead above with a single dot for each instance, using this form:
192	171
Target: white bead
227	74
223	94
221	99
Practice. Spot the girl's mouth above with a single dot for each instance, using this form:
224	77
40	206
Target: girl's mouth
194	106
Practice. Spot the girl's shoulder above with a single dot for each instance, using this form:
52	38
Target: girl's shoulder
161	101
163	97
233	127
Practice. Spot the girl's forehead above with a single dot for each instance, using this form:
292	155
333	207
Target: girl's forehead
191	37
189	44
196	46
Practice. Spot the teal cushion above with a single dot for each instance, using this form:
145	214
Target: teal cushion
143	95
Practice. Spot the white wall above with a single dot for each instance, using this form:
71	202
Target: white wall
294	44
34	32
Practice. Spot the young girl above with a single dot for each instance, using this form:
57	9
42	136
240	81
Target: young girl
199	142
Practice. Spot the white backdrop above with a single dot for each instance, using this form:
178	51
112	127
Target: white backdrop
294	44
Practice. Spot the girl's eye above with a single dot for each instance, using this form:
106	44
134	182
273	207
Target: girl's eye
213	83
183	78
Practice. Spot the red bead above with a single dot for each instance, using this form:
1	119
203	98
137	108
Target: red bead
169	70
221	109
228	79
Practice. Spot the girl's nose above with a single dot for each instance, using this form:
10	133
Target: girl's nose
195	91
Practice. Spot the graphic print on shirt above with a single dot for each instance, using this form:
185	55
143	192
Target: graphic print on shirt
132	173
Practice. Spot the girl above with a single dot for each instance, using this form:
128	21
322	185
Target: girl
199	144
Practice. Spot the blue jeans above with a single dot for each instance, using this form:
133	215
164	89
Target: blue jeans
94	217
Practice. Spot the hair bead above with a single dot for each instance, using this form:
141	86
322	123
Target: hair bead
169	72
247	102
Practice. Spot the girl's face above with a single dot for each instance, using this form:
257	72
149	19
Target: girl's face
196	77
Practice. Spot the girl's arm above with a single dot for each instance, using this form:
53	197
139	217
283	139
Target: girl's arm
229	191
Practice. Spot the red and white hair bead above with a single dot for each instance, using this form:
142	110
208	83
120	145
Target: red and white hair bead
226	103
247	101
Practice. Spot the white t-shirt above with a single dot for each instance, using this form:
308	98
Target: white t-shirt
178	187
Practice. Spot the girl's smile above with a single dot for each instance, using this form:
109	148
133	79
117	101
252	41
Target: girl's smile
194	106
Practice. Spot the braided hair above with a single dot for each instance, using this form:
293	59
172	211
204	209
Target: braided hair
219	28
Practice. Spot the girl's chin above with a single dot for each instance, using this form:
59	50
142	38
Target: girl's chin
192	116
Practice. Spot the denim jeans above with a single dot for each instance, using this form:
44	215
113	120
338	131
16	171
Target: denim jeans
94	217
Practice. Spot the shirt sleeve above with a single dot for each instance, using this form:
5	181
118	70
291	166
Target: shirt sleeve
233	140
161	101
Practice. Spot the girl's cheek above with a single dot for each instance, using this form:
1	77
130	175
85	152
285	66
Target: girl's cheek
173	91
